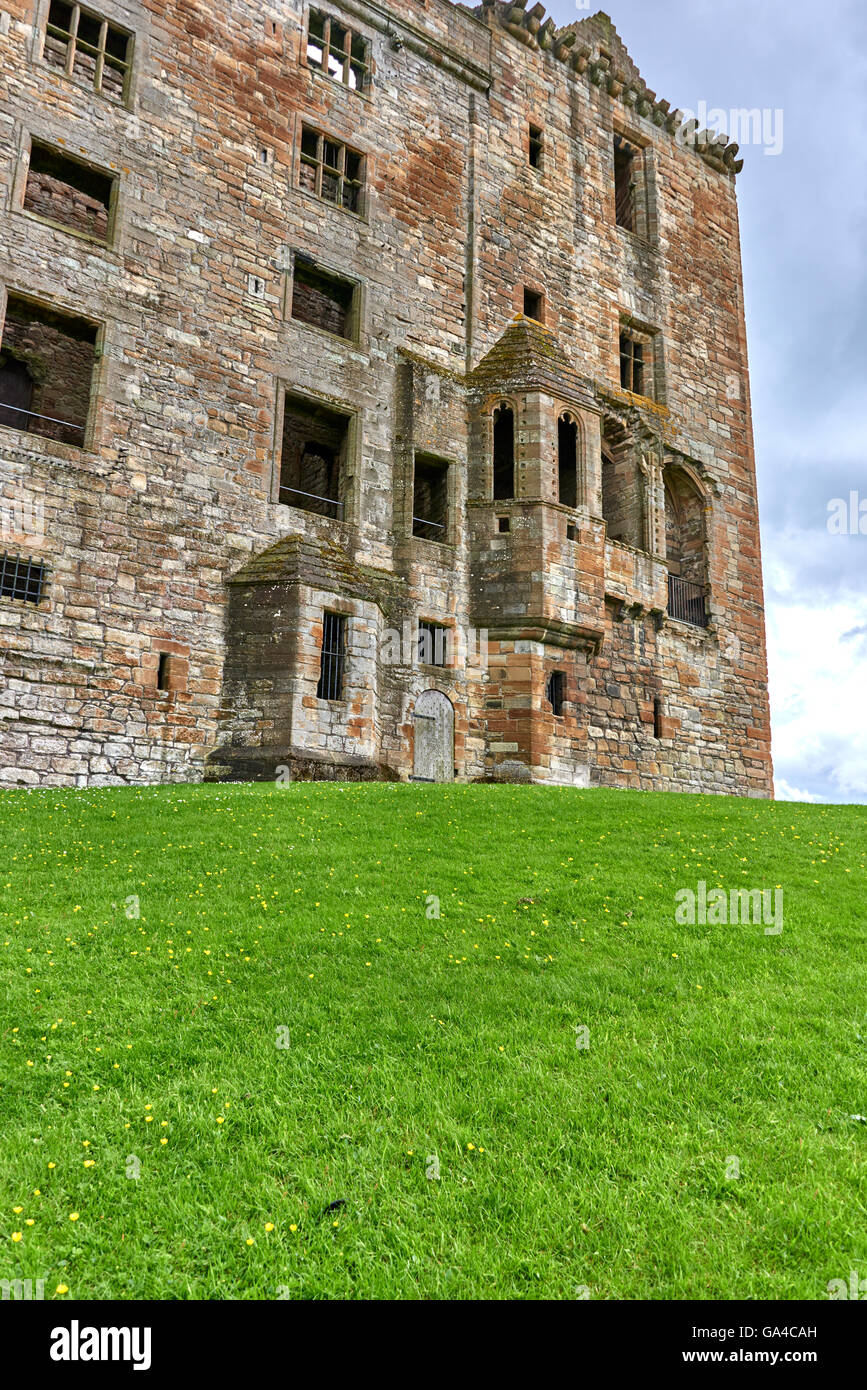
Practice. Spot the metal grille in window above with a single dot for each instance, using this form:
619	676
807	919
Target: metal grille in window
434	644
86	46
21	578
332	659
634	375
330	170
334	49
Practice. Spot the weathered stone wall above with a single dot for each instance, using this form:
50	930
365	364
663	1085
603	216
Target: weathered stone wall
176	492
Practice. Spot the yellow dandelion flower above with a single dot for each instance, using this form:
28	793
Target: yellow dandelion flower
30	1221
269	1225
73	1216
17	1210
250	1240
16	1236
164	1140
62	1288
293	1229
89	1162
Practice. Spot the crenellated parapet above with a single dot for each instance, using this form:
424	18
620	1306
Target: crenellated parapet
592	49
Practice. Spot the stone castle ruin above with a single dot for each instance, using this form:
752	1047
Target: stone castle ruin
374	403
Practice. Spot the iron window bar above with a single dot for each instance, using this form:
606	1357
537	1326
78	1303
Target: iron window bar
686	601
49	419
433	648
332	657
297	492
632	365
22	578
420	521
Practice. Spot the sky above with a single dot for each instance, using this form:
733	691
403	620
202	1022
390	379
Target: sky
803	216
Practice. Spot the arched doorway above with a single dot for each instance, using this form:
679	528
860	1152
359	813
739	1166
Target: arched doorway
433	757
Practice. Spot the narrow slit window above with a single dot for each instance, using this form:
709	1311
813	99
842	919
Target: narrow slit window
332	657
164	671
85	46
65	191
504	453
337	51
331	170
567	461
434	644
556	692
536	146
22	577
657	719
626	162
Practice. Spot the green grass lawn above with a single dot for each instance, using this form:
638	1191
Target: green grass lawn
306	915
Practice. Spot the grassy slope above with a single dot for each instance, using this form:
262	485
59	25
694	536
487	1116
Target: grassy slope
304	907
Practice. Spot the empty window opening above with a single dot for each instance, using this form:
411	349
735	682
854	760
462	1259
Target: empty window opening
434	644
47	364
570	532
430	498
534	304
323	300
332	657
567	461
504	453
22	578
634	365
555	692
164	671
536	146
67	192
685	547
313	457
331	170
627	161
504	524
623	492
657	719
86	46
337	51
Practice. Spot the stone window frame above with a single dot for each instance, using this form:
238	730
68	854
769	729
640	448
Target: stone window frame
318	72
361	212
450	465
357	314
134	23
651	339
497	403
437	625
39	563
564	411
287	385
557	682
536	145
19	192
646	229
92	433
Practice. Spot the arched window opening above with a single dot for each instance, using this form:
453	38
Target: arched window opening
567	461
685	547
504	453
